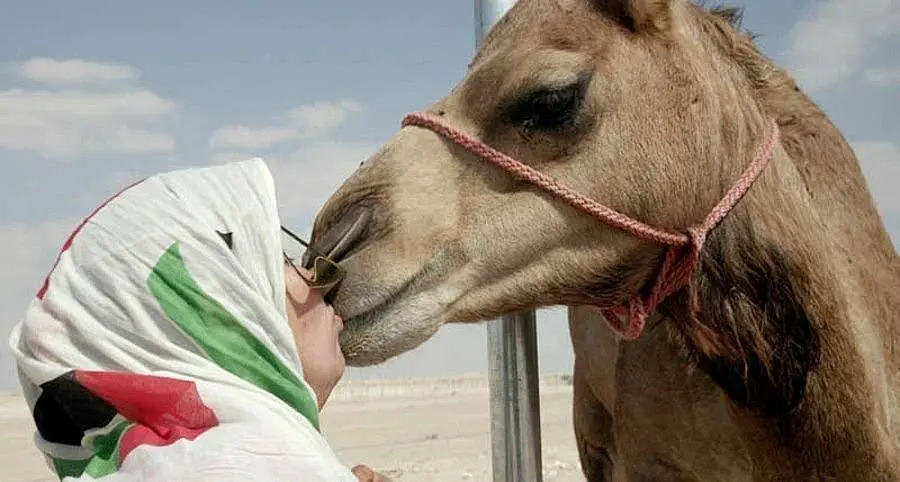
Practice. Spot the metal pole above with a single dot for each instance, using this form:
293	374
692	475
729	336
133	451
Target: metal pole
512	357
515	402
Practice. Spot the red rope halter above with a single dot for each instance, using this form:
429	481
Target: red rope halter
679	263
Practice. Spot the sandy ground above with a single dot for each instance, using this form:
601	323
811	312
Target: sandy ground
436	431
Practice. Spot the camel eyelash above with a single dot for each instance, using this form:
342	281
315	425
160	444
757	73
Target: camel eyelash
548	108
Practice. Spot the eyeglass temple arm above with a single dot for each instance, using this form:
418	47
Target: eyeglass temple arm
295	237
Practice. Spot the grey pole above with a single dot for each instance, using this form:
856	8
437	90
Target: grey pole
512	357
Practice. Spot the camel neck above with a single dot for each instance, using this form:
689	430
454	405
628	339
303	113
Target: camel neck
807	376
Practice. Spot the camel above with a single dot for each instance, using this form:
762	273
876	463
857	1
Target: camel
571	166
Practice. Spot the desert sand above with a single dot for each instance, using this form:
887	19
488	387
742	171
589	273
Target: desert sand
411	430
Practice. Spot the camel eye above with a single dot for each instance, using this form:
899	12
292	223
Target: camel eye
548	109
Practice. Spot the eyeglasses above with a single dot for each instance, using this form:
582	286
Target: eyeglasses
326	274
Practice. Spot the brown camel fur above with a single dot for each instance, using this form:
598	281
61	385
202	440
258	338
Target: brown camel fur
713	451
787	370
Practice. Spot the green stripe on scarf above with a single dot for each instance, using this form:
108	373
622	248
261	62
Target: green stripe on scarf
224	339
104	461
68	468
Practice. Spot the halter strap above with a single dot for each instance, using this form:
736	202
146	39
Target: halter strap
683	250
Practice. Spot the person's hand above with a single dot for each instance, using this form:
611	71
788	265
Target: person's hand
365	474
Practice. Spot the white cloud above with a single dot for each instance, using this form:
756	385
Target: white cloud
306	178
322	117
831	42
64	125
243	137
74	71
883	77
67	123
304	122
880	162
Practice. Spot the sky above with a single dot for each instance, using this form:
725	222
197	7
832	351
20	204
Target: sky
95	94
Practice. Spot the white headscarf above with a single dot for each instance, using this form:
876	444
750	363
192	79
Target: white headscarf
159	348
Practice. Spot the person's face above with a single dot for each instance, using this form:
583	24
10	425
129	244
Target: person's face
316	329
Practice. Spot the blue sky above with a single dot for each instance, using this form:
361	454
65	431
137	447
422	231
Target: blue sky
94	94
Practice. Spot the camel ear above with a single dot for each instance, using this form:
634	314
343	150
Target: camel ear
638	15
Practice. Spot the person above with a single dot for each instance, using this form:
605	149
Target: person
174	340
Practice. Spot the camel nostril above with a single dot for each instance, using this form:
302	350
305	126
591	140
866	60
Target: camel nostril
340	237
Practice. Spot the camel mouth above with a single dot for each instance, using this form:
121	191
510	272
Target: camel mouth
353	328
372	338
394	320
370	315
357	338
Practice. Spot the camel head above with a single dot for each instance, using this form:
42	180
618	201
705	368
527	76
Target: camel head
620	100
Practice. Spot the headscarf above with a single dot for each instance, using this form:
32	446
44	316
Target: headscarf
158	348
